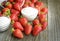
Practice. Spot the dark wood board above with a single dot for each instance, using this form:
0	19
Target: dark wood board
52	33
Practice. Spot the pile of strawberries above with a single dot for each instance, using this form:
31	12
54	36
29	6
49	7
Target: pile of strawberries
12	9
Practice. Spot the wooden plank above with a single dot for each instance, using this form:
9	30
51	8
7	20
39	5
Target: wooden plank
54	21
43	36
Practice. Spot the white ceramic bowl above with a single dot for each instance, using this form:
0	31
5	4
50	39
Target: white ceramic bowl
30	13
4	23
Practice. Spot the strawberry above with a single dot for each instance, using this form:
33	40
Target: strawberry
33	1
38	8
10	0
31	4
18	1
8	5
17	25
17	6
44	10
6	12
17	33
28	28
35	22
42	17
0	13
13	11
36	30
14	17
23	21
5	9
21	2
44	25
27	0
39	4
25	5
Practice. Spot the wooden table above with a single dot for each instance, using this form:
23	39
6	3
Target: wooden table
52	33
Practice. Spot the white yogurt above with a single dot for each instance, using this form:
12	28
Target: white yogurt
4	23
30	13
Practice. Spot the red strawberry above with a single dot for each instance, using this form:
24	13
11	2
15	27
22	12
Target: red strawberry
17	33
36	21
0	14
14	17
38	8
13	11
39	3
25	5
31	4
28	28
18	1
42	17
17	6
27	0
17	25
36	30
5	10
8	5
44	10
10	0
21	2
44	25
33	1
23	21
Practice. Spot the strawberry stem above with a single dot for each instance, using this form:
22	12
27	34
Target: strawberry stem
12	30
7	3
21	16
12	21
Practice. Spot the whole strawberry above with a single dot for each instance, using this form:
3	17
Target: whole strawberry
35	22
44	10
17	25
23	21
31	4
14	17
44	25
36	30
13	11
28	29
8	5
33	1
38	3
17	6
42	17
0	13
10	0
17	33
5	10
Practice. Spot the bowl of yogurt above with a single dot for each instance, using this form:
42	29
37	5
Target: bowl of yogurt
4	23
30	13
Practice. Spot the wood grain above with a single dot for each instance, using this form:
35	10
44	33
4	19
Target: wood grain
7	35
54	21
52	33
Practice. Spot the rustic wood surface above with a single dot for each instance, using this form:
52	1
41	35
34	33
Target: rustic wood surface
52	33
